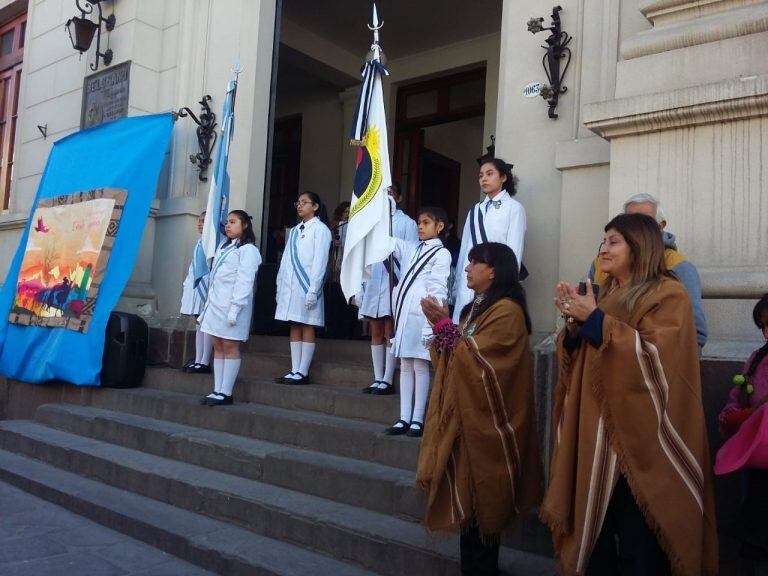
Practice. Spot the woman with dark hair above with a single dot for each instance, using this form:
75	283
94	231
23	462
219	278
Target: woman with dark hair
747	396
479	460
227	313
300	283
496	218
630	480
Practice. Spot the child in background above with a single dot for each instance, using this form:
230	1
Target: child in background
229	308
749	393
300	284
193	294
426	266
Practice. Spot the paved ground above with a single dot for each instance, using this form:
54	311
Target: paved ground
38	538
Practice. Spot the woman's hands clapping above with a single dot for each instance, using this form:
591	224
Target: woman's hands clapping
434	310
572	305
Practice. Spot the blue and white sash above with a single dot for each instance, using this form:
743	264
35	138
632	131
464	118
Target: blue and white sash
200	271
301	275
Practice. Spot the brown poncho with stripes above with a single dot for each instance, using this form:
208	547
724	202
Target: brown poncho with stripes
479	459
633	407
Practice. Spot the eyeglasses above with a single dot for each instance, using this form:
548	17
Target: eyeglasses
302	203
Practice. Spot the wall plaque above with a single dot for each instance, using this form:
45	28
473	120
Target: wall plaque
105	95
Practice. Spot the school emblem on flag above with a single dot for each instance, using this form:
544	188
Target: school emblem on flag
368	171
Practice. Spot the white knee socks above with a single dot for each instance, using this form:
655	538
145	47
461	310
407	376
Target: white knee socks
205	355
406	388
421	370
218	374
231	368
307	350
377	355
391	364
295	355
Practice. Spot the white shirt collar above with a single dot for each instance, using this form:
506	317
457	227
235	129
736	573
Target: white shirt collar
501	196
308	222
433	242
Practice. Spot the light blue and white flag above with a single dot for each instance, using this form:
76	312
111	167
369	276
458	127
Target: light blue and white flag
218	195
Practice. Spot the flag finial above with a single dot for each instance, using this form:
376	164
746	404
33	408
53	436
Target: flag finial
375	27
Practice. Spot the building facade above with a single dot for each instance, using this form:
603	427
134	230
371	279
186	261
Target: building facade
668	97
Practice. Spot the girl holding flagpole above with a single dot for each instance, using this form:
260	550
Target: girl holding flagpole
300	284
227	314
193	294
375	302
426	266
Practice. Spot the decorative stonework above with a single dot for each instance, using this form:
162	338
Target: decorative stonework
731	100
663	12
743	21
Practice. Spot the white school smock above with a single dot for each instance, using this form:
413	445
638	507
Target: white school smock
193	298
375	295
504	223
231	287
411	326
302	270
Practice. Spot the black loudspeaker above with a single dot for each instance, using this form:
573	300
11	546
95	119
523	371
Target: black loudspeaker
125	351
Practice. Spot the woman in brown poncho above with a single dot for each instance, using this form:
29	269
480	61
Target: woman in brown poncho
630	487
479	459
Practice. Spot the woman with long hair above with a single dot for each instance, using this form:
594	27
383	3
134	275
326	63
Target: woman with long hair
228	309
479	460
300	283
630	481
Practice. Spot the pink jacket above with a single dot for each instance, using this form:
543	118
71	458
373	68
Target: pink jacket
737	395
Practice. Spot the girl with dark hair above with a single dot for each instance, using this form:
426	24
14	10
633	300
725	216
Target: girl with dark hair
749	394
426	265
496	218
479	459
193	295
630	479
300	284
229	307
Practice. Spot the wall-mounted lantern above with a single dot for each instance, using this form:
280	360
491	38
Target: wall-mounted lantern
557	50
82	30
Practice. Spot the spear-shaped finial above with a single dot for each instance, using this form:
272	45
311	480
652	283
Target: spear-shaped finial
375	27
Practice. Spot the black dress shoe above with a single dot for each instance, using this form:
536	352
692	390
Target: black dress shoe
282	379
372	387
397	430
187	367
388	390
205	399
297	381
415	432
200	369
223	400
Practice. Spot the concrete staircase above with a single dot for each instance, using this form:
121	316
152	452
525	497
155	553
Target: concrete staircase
288	480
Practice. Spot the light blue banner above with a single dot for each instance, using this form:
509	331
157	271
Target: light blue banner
126	154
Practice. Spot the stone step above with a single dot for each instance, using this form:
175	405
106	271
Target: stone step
343	402
312	430
375	541
373	486
211	544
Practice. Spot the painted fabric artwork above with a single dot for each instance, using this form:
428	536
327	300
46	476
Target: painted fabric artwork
68	248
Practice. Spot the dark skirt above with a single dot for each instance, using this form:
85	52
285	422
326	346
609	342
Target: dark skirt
752	526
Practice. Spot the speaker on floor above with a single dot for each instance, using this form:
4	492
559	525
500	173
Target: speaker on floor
125	351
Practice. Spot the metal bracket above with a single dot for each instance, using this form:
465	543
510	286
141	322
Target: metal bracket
206	135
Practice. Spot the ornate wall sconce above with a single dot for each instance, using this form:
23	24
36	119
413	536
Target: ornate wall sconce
206	136
81	31
557	50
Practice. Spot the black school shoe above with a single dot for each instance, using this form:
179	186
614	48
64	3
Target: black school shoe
187	367
415	432
282	379
297	381
223	400
397	430
204	400
372	387
388	389
200	369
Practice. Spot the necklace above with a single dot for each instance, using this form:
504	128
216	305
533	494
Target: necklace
476	302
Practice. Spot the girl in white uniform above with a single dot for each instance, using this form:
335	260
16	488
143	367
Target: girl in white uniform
497	218
229	307
426	266
300	284
374	302
193	294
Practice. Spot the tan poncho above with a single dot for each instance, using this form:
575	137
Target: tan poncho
479	459
633	407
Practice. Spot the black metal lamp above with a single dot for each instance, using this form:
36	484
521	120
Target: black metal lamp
557	50
82	30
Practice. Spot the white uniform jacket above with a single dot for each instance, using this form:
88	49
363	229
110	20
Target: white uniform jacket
193	297
231	288
501	220
374	302
426	266
302	270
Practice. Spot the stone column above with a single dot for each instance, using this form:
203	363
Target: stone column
687	125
